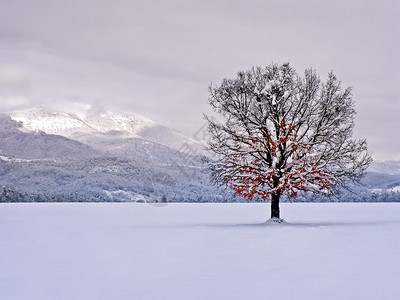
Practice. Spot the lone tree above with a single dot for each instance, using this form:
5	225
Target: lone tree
283	133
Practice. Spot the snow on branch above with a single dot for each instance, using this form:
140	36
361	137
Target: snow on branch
283	133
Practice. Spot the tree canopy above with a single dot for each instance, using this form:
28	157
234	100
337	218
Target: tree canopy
283	133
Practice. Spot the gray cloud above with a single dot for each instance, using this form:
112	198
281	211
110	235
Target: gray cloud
13	102
157	58
13	78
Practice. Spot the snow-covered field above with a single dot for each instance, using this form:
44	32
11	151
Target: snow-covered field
199	251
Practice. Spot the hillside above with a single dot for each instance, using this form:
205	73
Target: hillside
51	155
92	125
119	167
22	143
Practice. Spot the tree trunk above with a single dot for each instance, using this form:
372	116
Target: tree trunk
275	199
275	205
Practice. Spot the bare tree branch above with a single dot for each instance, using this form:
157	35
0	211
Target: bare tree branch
284	133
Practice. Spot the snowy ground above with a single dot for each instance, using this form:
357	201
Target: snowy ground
199	251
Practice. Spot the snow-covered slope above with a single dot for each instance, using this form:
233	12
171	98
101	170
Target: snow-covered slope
19	143
93	124
110	164
385	167
124	157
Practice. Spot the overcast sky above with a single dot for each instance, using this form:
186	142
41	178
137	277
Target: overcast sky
157	58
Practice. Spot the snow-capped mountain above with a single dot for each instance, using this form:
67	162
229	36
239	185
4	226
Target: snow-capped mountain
18	143
91	125
108	156
98	157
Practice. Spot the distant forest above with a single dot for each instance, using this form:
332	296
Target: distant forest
9	195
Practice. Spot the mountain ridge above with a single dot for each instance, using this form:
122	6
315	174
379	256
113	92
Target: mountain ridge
108	166
80	126
101	156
